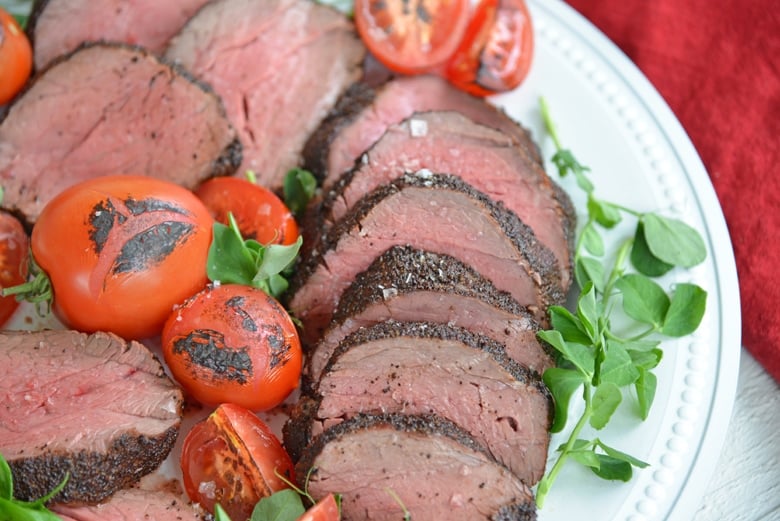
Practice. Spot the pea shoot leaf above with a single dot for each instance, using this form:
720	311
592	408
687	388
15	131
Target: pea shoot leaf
643	259
592	240
618	367
568	325
645	391
562	384
612	469
233	260
686	310
589	270
284	505
673	241
606	214
298	187
606	399
579	355
643	299
587	311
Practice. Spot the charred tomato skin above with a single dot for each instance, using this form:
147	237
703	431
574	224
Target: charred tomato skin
259	212
15	57
233	458
233	343
14	248
121	251
411	37
496	52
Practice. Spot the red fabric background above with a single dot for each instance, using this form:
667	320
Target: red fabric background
717	65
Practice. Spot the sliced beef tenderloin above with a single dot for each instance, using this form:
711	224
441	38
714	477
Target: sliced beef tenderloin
57	27
429	467
405	284
363	114
93	406
111	109
488	159
279	65
434	212
134	504
426	368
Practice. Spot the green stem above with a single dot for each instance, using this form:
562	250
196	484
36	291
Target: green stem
546	482
549	124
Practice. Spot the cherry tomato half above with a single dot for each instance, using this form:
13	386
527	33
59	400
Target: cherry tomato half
121	251
233	343
496	52
259	213
15	57
411	36
326	509
233	458
14	247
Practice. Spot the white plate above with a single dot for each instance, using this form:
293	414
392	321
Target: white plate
616	123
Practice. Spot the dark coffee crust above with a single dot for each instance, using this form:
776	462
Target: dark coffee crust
542	263
408	270
430	425
429	330
226	163
297	431
94	476
319	215
358	97
424	424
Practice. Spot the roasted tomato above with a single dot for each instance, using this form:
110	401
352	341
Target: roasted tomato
326	509
14	247
234	459
495	54
414	36
121	251
259	213
233	343
15	57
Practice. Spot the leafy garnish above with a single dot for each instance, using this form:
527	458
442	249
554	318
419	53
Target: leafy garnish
11	508
283	505
22	19
233	260
299	187
592	354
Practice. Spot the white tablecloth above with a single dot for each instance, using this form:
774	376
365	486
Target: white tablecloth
746	483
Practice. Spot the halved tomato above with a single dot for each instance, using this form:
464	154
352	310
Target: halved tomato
496	52
234	459
233	343
259	213
411	36
14	249
326	509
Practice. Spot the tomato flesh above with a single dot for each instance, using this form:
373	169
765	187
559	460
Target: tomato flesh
259	213
233	343
121	251
326	509
411	36
232	458
15	57
14	246
496	52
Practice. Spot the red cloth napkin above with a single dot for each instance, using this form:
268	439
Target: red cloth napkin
717	64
